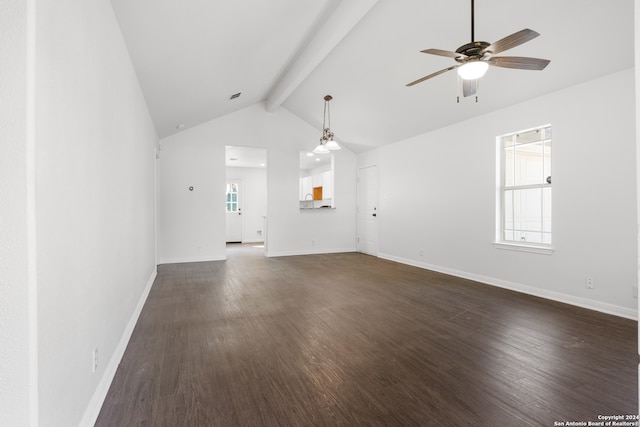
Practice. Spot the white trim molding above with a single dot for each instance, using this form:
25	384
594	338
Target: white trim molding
546	250
525	289
271	254
192	259
95	404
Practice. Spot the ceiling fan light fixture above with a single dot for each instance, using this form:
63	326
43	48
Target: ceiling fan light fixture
473	59
473	70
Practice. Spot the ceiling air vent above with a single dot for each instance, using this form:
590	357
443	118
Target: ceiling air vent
235	95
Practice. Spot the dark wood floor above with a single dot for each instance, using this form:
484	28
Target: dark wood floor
349	339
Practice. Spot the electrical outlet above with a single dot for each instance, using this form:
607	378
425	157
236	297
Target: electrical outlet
588	282
95	359
313	243
635	292
421	252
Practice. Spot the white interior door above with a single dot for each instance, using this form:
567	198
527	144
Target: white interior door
368	210
233	208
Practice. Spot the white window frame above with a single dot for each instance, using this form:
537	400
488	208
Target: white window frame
500	242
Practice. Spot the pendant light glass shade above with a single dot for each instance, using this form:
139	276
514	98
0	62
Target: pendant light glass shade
473	70
331	145
321	149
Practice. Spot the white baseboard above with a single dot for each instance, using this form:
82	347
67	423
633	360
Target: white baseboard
95	404
530	290
192	259
271	254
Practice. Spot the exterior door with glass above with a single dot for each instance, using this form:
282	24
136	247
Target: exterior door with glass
233	207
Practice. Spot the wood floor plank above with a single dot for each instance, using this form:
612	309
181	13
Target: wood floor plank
349	339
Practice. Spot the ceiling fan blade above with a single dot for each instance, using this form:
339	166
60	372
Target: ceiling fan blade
446	53
509	42
519	62
437	73
469	87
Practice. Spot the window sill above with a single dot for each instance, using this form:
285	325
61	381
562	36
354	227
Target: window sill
545	250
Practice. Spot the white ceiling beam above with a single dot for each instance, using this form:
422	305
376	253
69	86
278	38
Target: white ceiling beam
343	19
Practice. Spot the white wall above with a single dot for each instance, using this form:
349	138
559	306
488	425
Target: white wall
254	201
438	194
192	224
315	171
637	120
18	381
95	180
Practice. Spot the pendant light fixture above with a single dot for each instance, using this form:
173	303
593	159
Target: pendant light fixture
327	144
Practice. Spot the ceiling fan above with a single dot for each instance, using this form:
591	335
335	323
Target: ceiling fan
473	59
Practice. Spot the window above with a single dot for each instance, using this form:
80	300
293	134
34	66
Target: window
525	188
232	197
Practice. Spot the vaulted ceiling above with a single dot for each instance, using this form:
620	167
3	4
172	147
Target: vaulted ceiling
192	55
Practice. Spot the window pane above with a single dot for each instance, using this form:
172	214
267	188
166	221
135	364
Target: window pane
508	210
523	215
517	217
547	159
529	164
528	209
529	136
531	237
508	167
546	209
527	215
507	141
232	197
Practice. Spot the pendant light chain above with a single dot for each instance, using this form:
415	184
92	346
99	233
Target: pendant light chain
328	113
327	143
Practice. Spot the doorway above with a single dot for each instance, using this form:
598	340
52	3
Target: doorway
367	223
246	194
